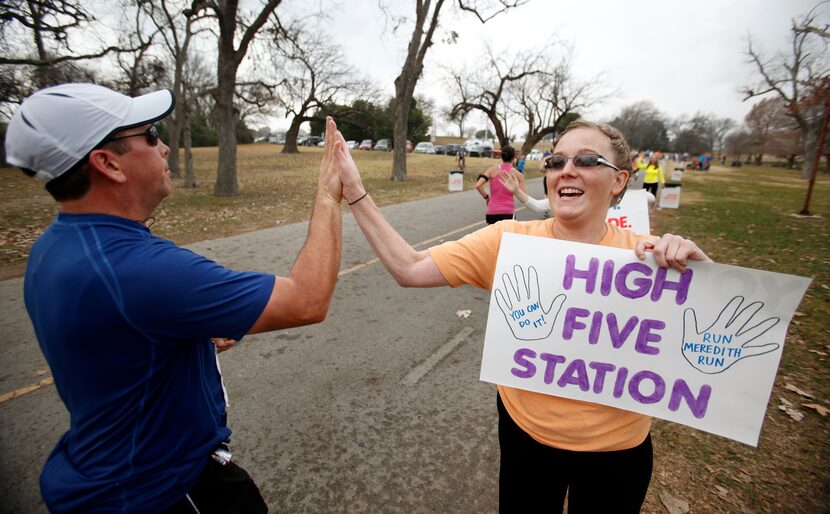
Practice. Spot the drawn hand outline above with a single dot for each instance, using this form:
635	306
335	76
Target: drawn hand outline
525	293
732	320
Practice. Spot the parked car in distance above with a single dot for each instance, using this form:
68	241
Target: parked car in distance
351	145
383	145
366	144
440	150
478	148
312	140
278	139
534	155
322	143
424	147
451	149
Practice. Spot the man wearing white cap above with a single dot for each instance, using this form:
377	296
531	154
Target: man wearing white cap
125	319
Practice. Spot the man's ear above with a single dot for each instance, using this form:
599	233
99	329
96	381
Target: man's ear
107	164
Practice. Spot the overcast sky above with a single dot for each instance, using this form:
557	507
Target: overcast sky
683	55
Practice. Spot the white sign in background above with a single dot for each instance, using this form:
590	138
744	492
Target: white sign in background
632	212
701	348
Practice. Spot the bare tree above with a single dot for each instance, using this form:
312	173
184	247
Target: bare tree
232	50
766	121
795	78
549	100
644	126
197	83
739	142
315	75
426	19
720	128
49	24
487	87
37	50
176	31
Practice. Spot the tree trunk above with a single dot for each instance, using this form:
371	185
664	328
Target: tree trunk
791	161
290	145
499	128
173	131
189	172
822	135
810	138
226	184
530	142
177	120
403	101
533	138
406	81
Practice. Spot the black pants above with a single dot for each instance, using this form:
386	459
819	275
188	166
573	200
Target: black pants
494	218
534	477
651	187
221	490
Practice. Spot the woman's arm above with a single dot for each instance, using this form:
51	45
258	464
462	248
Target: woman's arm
513	184
483	179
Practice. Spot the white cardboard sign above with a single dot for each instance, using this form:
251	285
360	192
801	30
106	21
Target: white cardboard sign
670	197
632	212
596	324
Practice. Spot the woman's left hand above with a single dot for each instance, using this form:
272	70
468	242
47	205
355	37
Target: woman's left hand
671	251
509	181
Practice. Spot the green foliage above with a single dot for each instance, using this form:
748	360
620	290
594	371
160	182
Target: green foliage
202	133
244	135
417	129
367	120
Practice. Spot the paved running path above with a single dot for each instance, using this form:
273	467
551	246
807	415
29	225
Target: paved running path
377	408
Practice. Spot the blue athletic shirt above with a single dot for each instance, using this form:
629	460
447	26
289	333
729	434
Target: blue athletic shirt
124	319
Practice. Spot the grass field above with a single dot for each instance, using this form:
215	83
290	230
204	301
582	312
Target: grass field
743	216
738	216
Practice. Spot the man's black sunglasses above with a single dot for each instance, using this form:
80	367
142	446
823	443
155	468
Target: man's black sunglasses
582	160
151	134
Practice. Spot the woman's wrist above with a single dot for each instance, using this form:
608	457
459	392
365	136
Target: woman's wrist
353	198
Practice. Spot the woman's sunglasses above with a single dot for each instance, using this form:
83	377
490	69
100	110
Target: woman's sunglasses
582	160
151	134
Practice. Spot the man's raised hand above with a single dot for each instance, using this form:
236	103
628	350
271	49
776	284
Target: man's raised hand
329	179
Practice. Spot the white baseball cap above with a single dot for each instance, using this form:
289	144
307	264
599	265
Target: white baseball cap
55	128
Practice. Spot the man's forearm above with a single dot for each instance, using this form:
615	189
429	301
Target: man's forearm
317	264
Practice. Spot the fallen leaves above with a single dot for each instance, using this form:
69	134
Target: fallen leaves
463	313
824	411
791	411
790	387
672	504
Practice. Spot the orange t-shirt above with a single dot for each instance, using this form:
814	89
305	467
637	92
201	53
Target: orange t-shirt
553	421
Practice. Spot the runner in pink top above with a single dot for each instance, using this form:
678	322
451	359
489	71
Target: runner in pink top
500	199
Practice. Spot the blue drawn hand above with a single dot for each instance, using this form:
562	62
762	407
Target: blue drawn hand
521	305
727	340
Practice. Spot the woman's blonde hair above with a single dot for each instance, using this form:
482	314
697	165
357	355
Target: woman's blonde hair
619	145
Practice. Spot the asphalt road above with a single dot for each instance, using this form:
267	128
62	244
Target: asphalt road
379	408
